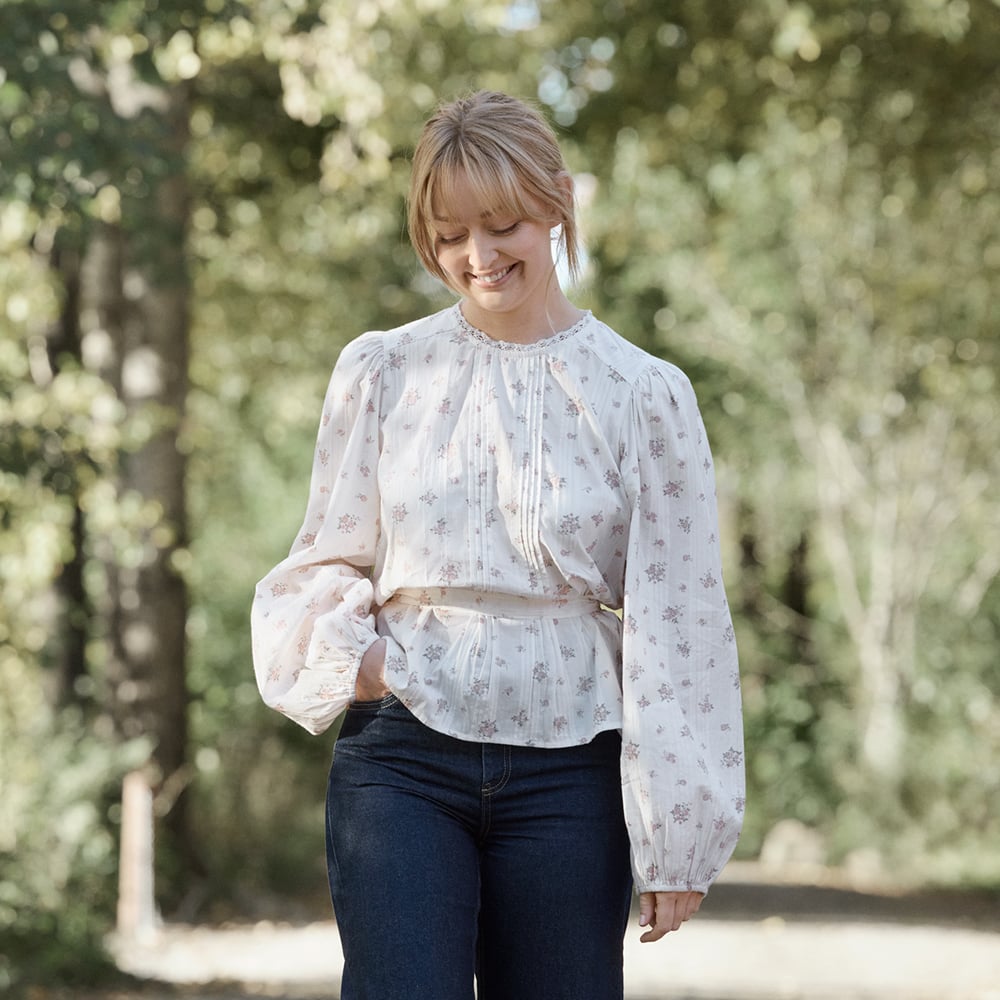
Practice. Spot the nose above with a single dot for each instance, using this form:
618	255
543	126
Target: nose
482	252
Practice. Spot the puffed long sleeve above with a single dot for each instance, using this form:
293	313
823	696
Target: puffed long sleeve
312	616
682	738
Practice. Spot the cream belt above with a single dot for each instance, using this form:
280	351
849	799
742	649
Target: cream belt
496	604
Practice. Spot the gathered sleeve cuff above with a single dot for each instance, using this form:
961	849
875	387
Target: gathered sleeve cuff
313	618
682	734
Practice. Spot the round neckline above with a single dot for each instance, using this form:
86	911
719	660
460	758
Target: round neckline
512	345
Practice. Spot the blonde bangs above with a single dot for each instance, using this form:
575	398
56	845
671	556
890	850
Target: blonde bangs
494	184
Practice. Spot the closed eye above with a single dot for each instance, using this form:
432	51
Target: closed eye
452	240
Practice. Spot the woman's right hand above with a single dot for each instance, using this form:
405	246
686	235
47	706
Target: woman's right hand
370	685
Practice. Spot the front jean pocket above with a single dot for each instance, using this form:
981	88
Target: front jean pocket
373	706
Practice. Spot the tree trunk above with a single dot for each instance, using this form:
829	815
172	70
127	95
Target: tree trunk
136	309
62	345
795	596
152	595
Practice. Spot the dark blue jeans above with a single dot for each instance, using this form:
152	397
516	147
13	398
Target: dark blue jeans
451	861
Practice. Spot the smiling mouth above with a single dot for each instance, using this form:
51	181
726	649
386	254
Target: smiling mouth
494	277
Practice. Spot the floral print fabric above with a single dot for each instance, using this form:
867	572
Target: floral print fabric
487	507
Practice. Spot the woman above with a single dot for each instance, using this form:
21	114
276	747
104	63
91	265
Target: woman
491	483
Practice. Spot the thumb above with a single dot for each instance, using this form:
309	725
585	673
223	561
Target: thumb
647	907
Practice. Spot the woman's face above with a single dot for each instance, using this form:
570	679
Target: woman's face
501	265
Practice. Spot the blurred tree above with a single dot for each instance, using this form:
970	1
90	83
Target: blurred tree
807	194
98	109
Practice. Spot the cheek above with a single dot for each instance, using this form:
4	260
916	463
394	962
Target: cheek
451	251
537	244
451	262
445	257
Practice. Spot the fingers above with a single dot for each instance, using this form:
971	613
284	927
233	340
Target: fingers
647	908
664	912
664	918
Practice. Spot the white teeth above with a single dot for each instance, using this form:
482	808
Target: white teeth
493	278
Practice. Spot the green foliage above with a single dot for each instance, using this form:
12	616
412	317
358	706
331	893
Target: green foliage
59	778
774	192
58	772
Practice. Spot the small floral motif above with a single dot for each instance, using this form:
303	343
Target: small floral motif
681	812
569	524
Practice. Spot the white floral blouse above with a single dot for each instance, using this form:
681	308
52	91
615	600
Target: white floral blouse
487	507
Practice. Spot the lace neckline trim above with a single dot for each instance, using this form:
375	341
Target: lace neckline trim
509	345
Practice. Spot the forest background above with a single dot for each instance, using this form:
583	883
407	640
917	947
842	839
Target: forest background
798	202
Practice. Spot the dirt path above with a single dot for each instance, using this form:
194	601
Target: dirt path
752	941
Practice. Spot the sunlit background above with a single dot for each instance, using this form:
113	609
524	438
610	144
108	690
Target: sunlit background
799	203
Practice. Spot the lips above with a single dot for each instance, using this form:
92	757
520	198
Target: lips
494	277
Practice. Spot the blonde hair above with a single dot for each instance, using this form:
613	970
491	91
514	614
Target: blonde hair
510	157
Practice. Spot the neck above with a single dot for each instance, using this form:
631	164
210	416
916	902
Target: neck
525	326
